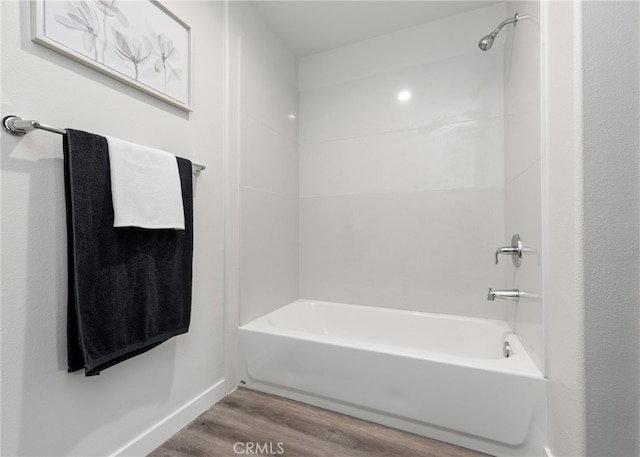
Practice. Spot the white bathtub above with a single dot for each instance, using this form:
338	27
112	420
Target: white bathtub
444	377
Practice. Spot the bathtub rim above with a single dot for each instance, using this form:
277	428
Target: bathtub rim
519	364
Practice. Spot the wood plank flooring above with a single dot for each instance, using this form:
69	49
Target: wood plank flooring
269	425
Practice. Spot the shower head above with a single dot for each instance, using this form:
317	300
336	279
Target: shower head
486	42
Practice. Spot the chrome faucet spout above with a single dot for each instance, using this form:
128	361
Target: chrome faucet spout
503	294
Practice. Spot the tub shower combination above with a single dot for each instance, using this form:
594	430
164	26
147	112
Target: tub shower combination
462	380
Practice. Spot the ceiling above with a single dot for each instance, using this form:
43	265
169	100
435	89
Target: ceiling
311	26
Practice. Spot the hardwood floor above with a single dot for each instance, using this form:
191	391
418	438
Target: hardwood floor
260	424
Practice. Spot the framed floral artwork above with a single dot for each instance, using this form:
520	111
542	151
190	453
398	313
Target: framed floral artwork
140	42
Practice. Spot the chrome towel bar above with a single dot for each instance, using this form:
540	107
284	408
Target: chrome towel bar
17	126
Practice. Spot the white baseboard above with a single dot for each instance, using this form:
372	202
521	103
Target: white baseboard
547	452
150	439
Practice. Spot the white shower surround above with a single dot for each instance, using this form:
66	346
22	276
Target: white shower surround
439	376
386	190
402	204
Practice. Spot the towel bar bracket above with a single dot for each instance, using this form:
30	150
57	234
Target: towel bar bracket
17	126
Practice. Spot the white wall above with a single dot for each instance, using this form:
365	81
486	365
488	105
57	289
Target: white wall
611	84
45	410
402	204
263	110
523	154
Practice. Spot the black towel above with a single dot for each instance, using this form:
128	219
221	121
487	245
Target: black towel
129	288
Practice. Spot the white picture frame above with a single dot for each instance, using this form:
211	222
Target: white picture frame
138	42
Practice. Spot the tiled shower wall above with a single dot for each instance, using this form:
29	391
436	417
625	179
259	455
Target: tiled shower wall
402	203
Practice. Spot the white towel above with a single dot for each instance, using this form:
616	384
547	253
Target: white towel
145	187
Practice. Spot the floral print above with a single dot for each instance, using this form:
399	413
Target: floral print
137	50
94	21
84	19
165	51
109	9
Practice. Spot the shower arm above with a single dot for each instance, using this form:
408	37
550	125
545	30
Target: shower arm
513	19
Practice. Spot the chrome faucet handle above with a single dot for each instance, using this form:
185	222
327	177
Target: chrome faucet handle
515	250
508	250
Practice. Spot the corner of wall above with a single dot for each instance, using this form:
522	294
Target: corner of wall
157	434
262	162
563	267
